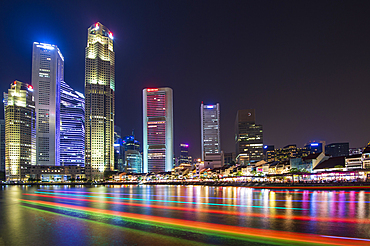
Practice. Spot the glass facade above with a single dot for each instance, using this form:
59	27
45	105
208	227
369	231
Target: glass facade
47	74
119	150
337	149
248	136
184	154
99	101
72	126
157	130
2	145
20	130
133	161
210	132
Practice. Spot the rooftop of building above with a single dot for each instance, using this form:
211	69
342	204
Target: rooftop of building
331	163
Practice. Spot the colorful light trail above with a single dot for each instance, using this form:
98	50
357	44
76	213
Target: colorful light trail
259	215
252	234
169	201
196	197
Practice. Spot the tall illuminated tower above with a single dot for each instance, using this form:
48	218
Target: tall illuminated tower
72	126
20	129
47	74
210	132
99	101
157	130
248	137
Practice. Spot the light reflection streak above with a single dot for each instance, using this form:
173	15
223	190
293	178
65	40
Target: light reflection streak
198	197
247	232
247	214
166	201
151	235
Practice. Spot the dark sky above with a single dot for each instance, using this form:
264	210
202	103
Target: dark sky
303	65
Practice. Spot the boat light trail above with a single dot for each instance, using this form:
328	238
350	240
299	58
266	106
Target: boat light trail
259	215
247	232
167	201
223	198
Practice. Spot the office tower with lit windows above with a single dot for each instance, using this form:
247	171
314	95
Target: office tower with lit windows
337	149
99	101
20	130
72	126
315	147
47	74
133	161
184	154
2	145
157	130
210	129
133	158
119	150
248	137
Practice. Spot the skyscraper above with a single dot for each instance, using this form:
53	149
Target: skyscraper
99	101
2	145
248	137
119	150
157	130
47	74
72	126
132	156
184	154
210	129
20	126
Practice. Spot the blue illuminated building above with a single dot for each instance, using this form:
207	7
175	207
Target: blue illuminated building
315	147
119	150
72	126
133	157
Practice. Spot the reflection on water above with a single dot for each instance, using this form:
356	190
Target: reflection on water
181	215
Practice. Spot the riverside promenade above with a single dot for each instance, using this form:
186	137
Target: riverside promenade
258	185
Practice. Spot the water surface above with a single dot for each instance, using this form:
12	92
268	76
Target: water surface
181	215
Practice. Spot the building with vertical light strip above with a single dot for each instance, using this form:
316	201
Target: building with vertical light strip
99	101
47	74
210	129
157	130
72	126
20	130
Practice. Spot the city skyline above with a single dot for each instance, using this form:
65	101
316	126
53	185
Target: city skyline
305	76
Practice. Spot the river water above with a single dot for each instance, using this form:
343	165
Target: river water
181	215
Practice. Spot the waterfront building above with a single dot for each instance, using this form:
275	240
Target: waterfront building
290	151
54	173
355	151
99	101
214	160
336	163
2	145
47	74
157	130
210	129
308	163
248	137
337	149
20	130
354	162
72	126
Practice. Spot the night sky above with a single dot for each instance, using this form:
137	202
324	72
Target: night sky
304	66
